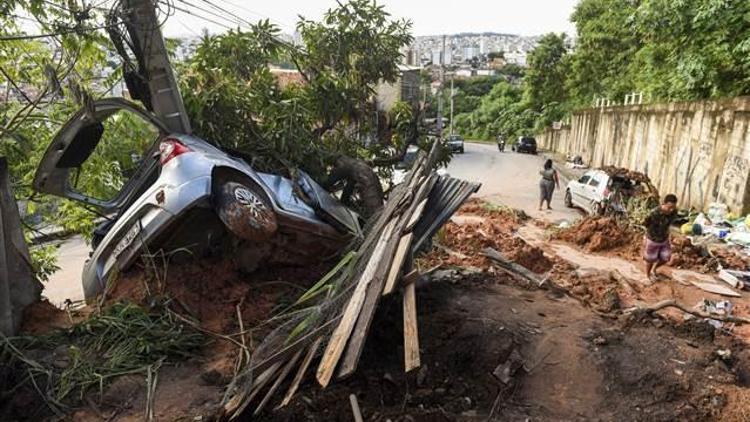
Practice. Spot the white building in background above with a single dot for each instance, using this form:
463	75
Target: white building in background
483	45
470	53
516	57
412	57
448	56
437	55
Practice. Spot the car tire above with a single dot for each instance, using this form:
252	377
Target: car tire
595	209
462	150
568	199
246	211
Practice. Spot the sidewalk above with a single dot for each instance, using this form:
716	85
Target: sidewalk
566	173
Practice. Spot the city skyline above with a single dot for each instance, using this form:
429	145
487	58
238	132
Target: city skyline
529	18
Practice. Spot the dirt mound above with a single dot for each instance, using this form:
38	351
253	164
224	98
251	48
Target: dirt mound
603	234
42	317
478	226
688	256
212	292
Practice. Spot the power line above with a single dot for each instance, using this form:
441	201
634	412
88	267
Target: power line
53	34
201	17
187	3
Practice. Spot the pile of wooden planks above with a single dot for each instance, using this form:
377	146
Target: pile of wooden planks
339	324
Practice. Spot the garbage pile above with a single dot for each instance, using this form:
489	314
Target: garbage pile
722	233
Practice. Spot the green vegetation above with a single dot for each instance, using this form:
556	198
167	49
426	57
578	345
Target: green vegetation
669	50
124	339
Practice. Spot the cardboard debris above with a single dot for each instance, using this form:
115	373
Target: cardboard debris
715	288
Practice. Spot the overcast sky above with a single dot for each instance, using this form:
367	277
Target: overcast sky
523	17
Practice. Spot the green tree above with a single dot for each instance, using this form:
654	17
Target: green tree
607	42
545	77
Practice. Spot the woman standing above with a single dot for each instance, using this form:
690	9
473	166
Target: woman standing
547	184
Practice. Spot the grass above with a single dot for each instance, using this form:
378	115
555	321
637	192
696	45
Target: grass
124	338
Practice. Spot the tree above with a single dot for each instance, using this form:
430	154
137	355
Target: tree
545	77
607	43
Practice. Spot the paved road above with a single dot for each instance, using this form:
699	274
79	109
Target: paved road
66	282
510	179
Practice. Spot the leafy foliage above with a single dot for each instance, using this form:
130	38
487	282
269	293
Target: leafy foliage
234	99
124	339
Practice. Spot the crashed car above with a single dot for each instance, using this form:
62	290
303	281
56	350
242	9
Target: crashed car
608	190
182	193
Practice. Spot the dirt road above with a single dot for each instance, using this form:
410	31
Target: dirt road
510	179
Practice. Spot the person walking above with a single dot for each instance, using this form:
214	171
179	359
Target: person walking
547	184
657	250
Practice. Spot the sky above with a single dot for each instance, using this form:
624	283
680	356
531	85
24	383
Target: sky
522	17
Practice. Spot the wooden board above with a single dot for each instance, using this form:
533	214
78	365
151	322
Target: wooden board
411	335
415	216
398	261
715	288
284	372
372	297
341	334
301	372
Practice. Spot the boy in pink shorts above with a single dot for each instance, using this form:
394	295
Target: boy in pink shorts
657	251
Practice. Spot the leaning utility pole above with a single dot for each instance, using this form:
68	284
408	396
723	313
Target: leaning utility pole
166	100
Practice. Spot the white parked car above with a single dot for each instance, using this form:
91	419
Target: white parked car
607	190
589	192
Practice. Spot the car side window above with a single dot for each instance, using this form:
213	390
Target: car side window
594	182
583	180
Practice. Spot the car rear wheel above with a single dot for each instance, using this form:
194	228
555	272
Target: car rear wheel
595	208
245	211
568	199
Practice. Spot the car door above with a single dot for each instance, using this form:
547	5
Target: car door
577	189
593	191
102	155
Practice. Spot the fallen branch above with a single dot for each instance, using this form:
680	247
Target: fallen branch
674	304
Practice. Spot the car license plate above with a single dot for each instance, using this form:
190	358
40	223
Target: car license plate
127	239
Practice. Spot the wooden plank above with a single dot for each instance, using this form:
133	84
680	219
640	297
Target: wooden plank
415	216
301	372
284	372
715	288
356	412
237	404
398	262
372	297
411	335
341	334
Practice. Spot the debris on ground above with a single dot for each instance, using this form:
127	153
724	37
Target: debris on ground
477	226
603	234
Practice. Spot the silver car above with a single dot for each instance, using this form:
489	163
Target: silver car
182	193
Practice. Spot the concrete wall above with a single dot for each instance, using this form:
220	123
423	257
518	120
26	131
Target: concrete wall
698	150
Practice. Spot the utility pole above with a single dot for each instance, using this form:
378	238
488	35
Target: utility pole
451	104
440	93
166	100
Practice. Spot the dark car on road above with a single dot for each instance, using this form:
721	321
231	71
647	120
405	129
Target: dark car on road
525	144
456	143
